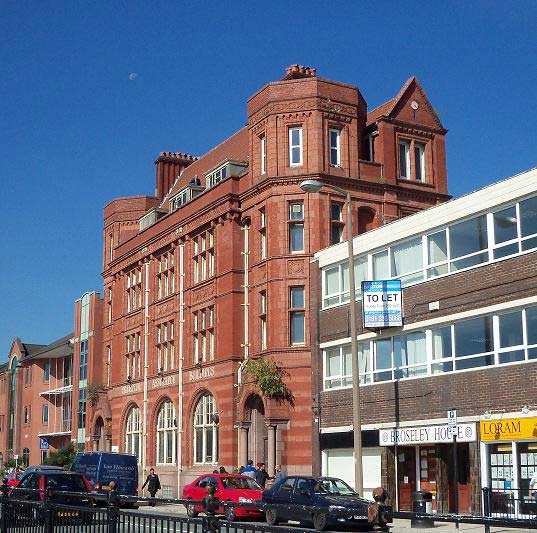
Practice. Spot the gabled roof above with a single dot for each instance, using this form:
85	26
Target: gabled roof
388	108
234	147
58	348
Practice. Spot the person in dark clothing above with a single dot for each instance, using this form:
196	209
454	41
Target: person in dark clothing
261	475
152	482
223	470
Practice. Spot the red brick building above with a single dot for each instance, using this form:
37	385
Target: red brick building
43	389
213	271
468	342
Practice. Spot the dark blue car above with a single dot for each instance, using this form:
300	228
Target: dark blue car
322	501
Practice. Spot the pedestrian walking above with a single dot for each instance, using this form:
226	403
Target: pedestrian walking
153	483
249	470
280	474
261	475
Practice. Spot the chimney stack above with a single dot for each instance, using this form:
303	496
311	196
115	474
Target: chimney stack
169	166
296	71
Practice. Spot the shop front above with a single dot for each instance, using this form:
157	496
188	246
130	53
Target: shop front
509	451
422	459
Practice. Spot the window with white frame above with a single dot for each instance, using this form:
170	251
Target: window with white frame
133	432
297	313
203	326
336	223
205	431
263	318
165	275
133	364
335	147
108	365
508	337
404	160
134	289
419	161
296	227
109	305
44	413
203	259
295	147
216	176
166	434
165	347
263	142
263	233
501	233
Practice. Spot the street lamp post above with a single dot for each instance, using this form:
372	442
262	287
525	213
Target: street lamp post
315	186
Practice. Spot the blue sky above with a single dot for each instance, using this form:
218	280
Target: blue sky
90	92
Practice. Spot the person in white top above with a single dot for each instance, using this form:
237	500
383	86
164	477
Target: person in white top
533	485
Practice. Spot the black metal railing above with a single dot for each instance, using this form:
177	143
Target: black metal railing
509	503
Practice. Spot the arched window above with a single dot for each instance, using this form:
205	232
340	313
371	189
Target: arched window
26	456
166	433
133	432
205	431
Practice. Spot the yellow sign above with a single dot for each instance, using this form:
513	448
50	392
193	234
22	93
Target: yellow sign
509	429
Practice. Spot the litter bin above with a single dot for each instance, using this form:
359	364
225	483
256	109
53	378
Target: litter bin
422	502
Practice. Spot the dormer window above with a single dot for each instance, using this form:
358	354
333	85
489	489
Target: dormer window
224	170
185	195
216	177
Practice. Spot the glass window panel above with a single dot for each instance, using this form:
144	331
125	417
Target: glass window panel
409	279
199	445
382	376
209	449
295	136
437	247
381	267
296	237
297	328
473	336
383	354
468	237
336	234
331	301
296	211
528	216
511	329
406	257
532	353
531	325
404	160
529	244
439	368
364	359
441	342
474	362
333	362
437	271
409	349
505	251
347	361
297	297
511	357
336	212
469	261
505	225
295	155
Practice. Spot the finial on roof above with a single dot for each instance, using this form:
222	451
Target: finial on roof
299	71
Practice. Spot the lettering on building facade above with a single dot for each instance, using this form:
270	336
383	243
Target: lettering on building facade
509	429
427	434
201	373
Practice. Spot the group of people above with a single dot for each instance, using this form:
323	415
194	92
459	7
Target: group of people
260	474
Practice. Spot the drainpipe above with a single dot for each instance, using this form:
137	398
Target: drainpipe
245	304
146	364
180	366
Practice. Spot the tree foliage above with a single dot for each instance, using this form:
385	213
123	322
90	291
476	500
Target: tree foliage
269	376
62	457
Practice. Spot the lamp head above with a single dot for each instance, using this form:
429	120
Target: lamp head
311	185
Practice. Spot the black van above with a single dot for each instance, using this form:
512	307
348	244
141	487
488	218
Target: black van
100	468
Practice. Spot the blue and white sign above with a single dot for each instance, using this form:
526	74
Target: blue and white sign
382	304
43	443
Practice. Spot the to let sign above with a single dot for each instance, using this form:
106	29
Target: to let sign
382	304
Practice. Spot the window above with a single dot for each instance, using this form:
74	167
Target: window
133	363
166	434
335	149
295	147
109	306
217	176
108	365
263	319
83	371
407	261
133	432
404	160
134	289
468	243
419	161
28	375
263	141
263	233
205	431
165	347
410	355
338	367
44	413
297	315
371	147
165	275
336	223
44	456
296	227
82	394
204	335
336	283
203	259
27	412
26	456
46	372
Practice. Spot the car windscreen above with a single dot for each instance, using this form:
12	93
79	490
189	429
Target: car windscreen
240	483
333	486
67	482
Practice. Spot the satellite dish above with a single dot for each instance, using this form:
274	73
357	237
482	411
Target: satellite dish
414	105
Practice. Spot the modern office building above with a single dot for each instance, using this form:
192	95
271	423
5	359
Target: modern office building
468	343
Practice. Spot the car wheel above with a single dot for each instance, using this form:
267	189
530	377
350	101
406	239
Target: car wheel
191	510
271	516
230	514
320	521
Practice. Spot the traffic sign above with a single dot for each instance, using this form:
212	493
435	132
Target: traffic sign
452	418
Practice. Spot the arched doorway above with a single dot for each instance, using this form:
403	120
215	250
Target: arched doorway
366	219
98	435
258	431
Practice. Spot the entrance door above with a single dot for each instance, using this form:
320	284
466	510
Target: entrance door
406	476
427	469
463	472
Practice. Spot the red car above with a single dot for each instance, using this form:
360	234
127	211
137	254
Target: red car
230	488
